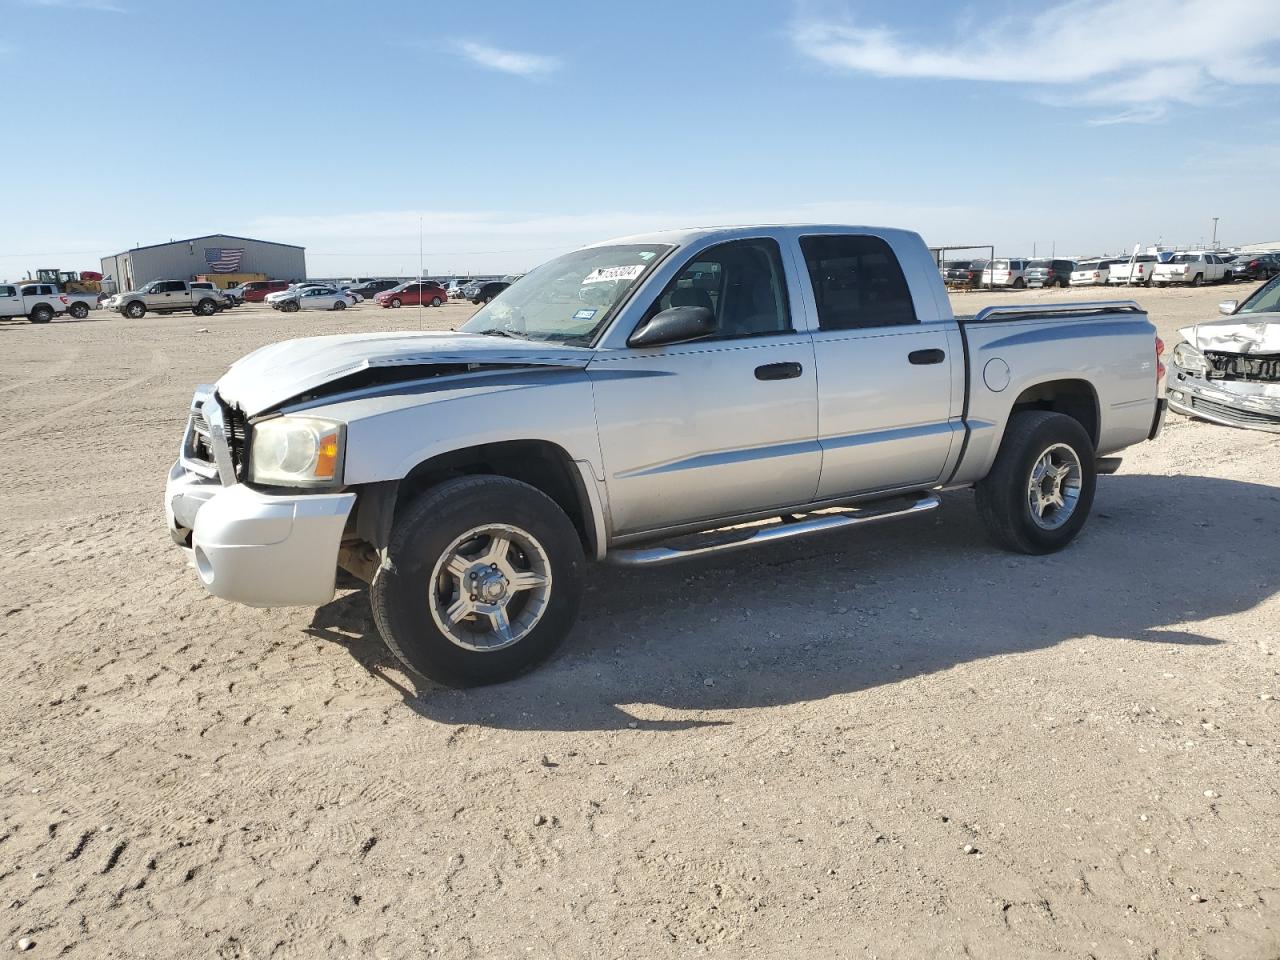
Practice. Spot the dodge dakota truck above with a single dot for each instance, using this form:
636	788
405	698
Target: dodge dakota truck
642	401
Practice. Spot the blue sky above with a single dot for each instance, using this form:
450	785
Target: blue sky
516	130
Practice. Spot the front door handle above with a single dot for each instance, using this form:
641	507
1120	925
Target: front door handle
779	371
921	357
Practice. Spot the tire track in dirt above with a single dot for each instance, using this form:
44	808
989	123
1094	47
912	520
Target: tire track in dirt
71	354
158	362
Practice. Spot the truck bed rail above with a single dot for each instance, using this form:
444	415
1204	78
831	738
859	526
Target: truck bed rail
1054	309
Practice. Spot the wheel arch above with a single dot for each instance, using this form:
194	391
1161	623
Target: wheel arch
1071	396
542	464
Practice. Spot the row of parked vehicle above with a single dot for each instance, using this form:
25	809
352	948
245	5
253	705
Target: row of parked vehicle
1193	268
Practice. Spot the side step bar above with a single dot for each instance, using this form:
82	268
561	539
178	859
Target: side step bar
722	541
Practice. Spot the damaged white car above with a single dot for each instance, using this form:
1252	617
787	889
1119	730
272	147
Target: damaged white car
1228	371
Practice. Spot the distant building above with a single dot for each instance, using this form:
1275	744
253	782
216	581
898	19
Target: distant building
216	253
1259	247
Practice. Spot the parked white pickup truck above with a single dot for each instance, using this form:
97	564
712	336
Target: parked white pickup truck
641	401
1192	268
41	302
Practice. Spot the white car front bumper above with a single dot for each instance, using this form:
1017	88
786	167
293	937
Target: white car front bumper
259	549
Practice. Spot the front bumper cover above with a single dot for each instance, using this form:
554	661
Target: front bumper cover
259	549
1232	403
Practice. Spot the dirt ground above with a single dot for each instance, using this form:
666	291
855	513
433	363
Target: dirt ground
780	754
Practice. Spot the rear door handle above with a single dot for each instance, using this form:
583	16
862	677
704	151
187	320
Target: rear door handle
779	371
920	357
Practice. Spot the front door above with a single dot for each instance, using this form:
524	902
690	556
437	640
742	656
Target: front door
725	425
885	399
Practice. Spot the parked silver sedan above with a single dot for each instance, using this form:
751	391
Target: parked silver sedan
315	298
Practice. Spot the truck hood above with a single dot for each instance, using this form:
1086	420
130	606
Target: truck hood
275	374
1234	335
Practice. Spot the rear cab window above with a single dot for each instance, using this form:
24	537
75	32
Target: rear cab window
857	283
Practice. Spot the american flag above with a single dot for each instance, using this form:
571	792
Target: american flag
223	259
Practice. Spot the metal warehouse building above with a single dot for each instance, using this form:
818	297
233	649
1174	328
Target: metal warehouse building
216	253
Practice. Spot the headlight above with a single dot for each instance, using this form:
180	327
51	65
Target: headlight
1190	360
297	452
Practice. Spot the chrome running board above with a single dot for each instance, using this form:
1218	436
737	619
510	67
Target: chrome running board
737	538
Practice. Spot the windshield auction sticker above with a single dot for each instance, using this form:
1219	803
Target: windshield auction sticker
608	274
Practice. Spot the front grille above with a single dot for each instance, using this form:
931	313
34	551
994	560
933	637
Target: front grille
237	435
1236	366
1233	414
200	444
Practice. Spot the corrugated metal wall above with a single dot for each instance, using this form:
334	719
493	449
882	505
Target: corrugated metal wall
185	260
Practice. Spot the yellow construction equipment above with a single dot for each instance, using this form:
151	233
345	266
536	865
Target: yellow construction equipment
68	281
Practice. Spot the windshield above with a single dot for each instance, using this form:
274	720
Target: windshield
570	298
1183	258
1091	265
1040	265
1265	300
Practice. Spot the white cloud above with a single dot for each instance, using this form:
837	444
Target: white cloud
1137	56
508	61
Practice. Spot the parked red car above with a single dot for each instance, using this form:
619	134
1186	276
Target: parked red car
411	294
255	291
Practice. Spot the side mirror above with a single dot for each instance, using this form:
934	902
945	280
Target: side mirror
1228	307
674	325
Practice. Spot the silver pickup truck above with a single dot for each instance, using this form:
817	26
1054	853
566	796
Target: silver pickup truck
642	401
169	296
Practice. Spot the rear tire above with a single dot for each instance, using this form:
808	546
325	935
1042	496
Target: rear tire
1197	280
433	559
1019	283
1016	500
79	310
206	308
339	304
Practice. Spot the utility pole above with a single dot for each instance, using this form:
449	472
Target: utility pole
1215	233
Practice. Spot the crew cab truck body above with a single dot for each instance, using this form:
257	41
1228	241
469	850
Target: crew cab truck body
38	302
641	401
167	296
1190	268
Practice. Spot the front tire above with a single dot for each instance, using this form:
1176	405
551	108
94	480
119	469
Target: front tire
481	581
436	301
41	314
290	306
136	310
1040	490
395	301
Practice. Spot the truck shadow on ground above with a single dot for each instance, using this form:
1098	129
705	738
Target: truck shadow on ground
841	613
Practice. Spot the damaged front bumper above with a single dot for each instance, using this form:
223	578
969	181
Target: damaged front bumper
1233	403
256	548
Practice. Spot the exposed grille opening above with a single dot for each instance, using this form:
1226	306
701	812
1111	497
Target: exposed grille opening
1237	366
237	432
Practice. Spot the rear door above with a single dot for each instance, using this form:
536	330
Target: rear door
721	426
884	378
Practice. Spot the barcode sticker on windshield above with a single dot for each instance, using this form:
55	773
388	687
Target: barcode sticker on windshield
607	274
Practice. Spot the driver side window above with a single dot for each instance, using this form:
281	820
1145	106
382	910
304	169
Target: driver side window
741	282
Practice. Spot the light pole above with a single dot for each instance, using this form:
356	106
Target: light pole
1215	233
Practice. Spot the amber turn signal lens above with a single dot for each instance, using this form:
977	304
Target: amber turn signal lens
327	457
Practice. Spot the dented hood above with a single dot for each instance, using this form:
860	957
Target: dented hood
280	372
1244	333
